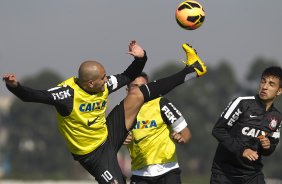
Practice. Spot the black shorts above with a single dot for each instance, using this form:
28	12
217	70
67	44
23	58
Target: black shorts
257	178
102	163
171	177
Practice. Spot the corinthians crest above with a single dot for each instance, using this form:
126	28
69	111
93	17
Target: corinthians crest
273	124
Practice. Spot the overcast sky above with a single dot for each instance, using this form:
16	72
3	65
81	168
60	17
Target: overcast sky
60	34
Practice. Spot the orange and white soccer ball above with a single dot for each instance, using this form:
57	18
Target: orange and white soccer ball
190	15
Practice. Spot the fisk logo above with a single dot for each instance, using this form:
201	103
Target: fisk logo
234	117
87	107
176	110
61	95
145	124
169	114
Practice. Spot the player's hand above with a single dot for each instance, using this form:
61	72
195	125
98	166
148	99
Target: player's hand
250	154
265	142
177	137
10	80
128	139
135	50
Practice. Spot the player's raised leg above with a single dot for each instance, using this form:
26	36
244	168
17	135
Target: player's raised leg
195	67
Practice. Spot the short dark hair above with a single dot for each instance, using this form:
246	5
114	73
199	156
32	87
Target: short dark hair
142	74
275	71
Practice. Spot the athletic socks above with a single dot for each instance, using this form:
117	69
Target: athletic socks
162	86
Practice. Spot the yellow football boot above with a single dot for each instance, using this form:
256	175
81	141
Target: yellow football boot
193	60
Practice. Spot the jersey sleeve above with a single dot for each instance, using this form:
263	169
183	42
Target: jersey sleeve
28	94
59	96
135	68
222	128
117	81
172	116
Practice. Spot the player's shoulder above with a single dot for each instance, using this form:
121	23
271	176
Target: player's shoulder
243	99
115	82
277	111
66	87
112	80
59	88
67	84
240	101
167	104
163	101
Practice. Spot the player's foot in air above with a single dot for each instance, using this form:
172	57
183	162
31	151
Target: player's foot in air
194	60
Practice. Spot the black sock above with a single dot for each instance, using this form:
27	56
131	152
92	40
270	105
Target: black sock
162	86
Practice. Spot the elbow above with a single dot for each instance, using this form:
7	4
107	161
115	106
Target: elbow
24	99
267	152
214	132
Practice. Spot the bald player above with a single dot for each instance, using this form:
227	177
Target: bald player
81	102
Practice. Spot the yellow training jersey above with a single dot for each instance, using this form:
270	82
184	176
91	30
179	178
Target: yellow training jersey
81	116
151	135
84	128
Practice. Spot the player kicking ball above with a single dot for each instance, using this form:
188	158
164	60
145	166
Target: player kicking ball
92	138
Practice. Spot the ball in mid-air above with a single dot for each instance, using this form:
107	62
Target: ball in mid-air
190	15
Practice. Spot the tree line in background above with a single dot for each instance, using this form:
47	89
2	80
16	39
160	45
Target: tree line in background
36	150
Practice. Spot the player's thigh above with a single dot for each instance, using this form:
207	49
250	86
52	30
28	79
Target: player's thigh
140	180
257	179
116	126
103	165
132	105
172	176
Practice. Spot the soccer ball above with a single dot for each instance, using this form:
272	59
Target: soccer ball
190	15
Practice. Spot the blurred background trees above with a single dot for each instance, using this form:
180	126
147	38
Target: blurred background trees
36	150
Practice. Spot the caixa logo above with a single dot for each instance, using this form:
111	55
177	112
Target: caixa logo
87	107
252	132
145	124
